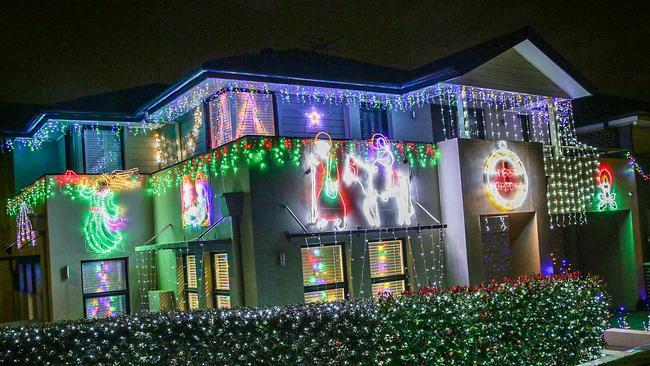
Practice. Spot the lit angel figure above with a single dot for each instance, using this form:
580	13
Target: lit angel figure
606	198
327	202
104	220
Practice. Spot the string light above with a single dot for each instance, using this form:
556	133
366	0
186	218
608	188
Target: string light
638	168
25	234
459	326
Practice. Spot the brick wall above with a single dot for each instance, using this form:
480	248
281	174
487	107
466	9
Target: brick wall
607	138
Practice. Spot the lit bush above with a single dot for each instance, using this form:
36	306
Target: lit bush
533	320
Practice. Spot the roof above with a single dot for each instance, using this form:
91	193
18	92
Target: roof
20	119
602	108
126	101
303	64
462	62
298	64
15	116
298	67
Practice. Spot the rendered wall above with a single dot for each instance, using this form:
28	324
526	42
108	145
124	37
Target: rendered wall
609	244
167	210
464	199
271	188
66	248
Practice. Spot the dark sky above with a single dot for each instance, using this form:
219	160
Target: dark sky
60	50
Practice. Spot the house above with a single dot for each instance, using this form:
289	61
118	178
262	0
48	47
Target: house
292	176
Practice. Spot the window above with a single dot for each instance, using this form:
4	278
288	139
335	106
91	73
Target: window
373	121
221	280
102	150
323	273
387	269
105	287
237	114
444	122
191	282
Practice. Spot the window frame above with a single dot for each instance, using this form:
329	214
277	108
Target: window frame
330	286
105	128
95	295
385	279
216	292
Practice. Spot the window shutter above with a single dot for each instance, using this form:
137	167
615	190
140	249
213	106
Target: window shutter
322	265
337	294
102	151
222	279
223	301
190	271
386	259
103	306
104	276
193	300
391	287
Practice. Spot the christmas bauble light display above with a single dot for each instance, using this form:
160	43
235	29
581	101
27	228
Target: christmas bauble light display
505	178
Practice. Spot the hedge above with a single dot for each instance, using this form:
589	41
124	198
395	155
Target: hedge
531	321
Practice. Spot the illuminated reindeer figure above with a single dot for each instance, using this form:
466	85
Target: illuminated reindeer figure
351	175
395	185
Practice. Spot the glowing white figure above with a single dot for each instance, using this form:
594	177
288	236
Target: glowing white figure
351	175
395	185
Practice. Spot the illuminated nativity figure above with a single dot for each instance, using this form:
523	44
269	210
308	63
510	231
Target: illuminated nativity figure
328	205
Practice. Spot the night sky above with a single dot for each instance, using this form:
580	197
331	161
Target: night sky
56	52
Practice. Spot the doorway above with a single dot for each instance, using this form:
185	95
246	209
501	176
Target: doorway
510	245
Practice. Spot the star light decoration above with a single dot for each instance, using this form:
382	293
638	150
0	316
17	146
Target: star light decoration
314	118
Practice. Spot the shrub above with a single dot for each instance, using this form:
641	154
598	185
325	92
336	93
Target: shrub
533	320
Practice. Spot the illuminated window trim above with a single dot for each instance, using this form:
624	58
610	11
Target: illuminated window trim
330	286
212	132
391	278
93	295
217	292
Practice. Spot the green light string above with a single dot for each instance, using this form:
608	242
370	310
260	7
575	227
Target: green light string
264	152
102	225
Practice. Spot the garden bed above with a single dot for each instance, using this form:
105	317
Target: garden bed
533	320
